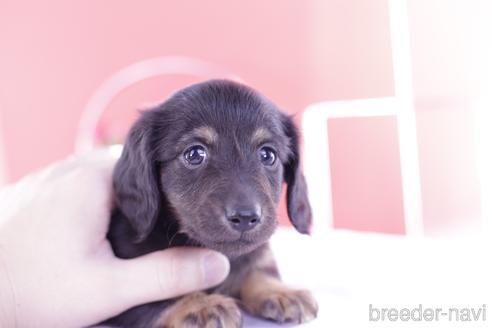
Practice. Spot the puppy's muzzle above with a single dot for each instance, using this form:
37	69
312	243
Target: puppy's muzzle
244	218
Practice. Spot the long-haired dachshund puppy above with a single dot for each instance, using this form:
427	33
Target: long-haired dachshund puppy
206	168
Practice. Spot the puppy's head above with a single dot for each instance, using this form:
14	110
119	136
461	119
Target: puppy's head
213	157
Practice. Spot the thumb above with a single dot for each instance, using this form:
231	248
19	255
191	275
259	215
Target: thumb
167	274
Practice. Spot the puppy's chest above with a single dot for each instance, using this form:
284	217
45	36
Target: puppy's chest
232	284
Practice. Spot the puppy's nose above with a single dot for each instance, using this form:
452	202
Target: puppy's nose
243	219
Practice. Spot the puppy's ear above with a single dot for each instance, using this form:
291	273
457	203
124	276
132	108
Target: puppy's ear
135	180
298	206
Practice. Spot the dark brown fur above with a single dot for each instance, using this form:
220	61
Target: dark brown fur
163	201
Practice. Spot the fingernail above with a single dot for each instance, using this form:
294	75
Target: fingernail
215	268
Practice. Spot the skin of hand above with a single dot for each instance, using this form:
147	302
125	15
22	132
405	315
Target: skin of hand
57	268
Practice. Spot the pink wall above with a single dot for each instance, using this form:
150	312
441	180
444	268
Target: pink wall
54	54
365	174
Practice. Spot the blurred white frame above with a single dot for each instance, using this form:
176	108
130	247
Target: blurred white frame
400	106
3	158
482	48
483	144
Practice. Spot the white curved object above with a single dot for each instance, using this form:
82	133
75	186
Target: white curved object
132	74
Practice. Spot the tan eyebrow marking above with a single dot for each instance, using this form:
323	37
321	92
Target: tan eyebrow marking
207	133
260	136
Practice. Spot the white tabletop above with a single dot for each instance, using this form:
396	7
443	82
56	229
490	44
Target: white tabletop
348	271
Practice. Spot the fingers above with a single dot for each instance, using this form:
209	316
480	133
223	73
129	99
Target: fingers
167	274
85	196
75	183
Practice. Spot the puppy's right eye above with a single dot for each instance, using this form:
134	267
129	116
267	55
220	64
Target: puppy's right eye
267	156
195	155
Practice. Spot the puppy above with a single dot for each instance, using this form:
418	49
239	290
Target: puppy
206	169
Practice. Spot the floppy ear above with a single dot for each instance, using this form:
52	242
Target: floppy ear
135	180
298	206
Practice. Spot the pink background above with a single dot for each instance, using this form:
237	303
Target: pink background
55	54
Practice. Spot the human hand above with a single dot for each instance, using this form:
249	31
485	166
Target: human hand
57	268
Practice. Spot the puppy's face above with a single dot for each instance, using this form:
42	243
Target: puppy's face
225	178
218	153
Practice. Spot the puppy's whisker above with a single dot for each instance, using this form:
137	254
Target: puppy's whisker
168	231
172	239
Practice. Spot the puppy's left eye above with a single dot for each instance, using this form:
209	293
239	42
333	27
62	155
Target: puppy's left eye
195	155
268	156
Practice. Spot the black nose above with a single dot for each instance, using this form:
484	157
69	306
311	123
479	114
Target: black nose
243	219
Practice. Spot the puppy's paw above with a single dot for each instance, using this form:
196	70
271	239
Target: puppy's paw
200	310
284	305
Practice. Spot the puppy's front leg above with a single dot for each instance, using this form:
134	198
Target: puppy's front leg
200	310
264	295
